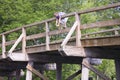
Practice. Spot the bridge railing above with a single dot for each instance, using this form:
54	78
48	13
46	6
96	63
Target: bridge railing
47	34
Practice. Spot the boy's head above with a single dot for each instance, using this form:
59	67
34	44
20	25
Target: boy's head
56	14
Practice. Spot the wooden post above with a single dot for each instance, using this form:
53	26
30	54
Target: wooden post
99	73
59	71
116	32
29	67
85	72
24	41
117	66
78	32
29	73
3	46
47	37
18	74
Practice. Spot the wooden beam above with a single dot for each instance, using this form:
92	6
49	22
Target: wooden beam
18	74
29	72
16	43
29	67
115	30
24	41
78	31
47	37
59	71
117	67
3	46
74	75
85	73
72	51
18	57
35	36
86	64
54	58
69	34
101	24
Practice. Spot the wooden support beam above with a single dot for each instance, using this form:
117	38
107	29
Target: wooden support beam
18	71
59	71
3	46
29	73
47	37
117	66
69	34
16	43
78	32
100	74
30	68
72	51
85	71
55	58
24	41
74	75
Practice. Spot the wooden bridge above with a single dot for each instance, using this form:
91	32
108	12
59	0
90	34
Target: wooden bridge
71	46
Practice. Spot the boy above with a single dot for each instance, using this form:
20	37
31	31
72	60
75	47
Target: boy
60	22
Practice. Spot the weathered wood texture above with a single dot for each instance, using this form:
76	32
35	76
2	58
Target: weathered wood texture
29	67
84	26
71	77
117	67
104	77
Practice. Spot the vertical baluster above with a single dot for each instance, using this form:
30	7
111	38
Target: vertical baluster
3	46
24	41
116	32
78	32
47	37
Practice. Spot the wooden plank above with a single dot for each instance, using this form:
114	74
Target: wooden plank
78	31
59	71
69	34
3	46
85	73
86	64
47	37
16	43
10	31
74	75
18	57
54	58
36	72
117	67
18	74
72	51
35	36
29	72
103	31
101	24
24	41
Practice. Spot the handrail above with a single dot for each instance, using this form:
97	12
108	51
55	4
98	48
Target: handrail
67	15
84	26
